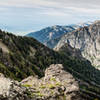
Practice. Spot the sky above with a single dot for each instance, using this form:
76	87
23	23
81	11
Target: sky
24	16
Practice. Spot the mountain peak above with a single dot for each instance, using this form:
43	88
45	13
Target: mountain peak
50	33
87	40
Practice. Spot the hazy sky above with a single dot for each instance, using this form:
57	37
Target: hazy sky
24	16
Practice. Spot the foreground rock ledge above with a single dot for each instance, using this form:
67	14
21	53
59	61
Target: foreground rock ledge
57	84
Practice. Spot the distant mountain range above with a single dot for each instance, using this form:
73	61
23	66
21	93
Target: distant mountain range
50	33
50	36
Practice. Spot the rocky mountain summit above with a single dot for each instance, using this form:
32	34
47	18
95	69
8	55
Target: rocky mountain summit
87	40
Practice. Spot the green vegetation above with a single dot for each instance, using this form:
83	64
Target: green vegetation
27	85
36	94
96	99
29	57
58	84
51	86
53	79
43	86
39	94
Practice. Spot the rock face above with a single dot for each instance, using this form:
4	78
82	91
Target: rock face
3	47
57	84
11	90
62	81
87	40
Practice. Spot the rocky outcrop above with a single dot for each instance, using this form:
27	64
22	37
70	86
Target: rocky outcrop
11	90
87	40
57	84
4	47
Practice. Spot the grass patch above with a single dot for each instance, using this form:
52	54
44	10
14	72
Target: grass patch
58	84
51	86
42	87
52	79
26	85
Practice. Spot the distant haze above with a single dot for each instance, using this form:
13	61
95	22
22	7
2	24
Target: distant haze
24	16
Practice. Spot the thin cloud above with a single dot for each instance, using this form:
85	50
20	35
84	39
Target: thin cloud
85	6
29	14
84	10
28	3
55	13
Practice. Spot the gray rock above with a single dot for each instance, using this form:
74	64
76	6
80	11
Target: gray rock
87	40
11	90
56	84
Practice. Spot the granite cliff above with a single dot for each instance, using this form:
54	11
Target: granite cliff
87	40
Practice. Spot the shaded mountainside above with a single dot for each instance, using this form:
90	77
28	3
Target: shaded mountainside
87	40
21	57
53	42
